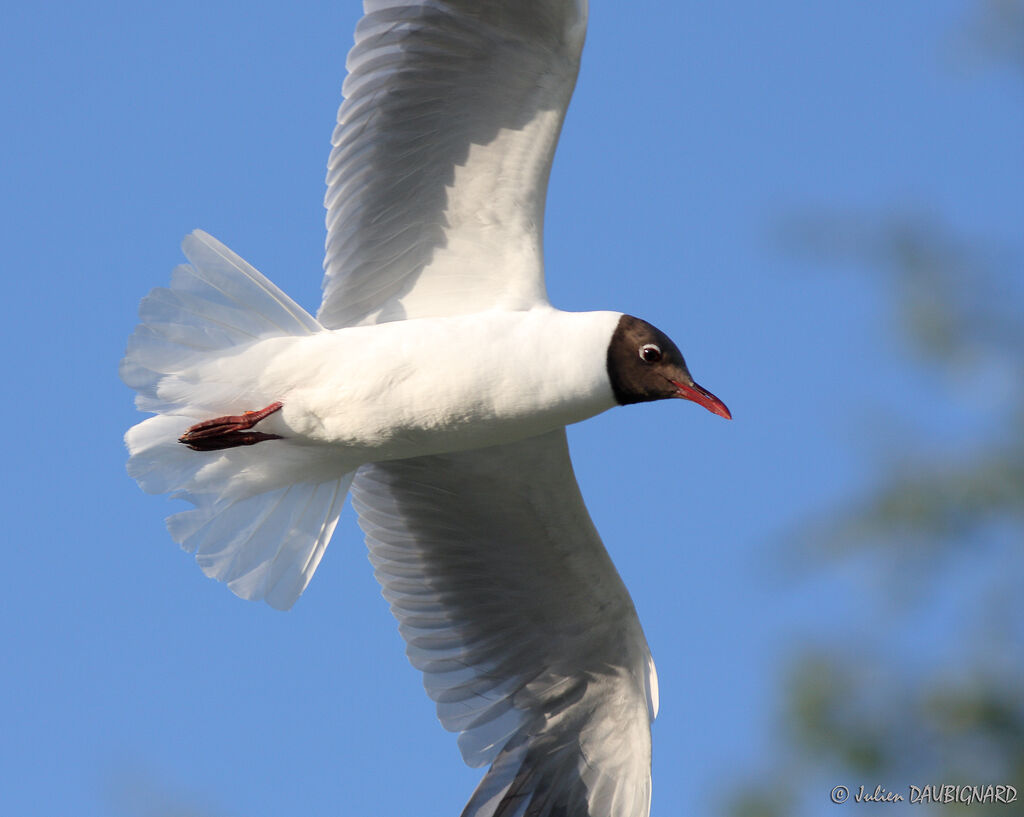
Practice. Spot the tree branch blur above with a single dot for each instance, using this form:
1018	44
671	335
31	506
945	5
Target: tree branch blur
951	502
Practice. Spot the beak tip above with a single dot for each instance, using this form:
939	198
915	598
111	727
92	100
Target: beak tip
702	397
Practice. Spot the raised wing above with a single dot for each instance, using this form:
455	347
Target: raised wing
438	175
526	637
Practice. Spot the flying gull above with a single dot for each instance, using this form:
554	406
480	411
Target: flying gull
434	385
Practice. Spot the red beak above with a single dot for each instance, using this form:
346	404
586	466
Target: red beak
702	397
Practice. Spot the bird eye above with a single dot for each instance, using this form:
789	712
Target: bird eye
650	353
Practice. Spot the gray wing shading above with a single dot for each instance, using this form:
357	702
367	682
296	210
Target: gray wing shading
526	636
438	174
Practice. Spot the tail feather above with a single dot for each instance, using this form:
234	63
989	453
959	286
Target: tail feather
264	513
265	546
220	302
216	269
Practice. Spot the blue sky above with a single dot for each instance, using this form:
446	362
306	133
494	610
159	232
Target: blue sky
696	130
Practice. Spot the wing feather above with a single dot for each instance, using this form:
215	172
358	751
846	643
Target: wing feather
438	173
526	636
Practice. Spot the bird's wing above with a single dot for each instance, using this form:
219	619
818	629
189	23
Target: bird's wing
437	179
526	635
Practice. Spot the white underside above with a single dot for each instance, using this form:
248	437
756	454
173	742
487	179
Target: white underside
410	388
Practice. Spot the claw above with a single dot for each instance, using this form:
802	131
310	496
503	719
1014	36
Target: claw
229	431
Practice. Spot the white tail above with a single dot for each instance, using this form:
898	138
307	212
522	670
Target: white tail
264	513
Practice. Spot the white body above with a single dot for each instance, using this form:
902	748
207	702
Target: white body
410	388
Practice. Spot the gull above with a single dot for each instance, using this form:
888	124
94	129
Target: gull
434	385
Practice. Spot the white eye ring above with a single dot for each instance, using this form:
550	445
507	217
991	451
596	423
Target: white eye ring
650	353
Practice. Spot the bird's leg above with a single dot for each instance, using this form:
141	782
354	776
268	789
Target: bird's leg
229	431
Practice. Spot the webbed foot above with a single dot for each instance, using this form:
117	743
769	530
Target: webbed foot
229	431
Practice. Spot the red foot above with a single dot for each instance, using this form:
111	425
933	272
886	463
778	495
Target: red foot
229	431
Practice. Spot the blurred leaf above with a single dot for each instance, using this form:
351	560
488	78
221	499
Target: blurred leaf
995	31
958	303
